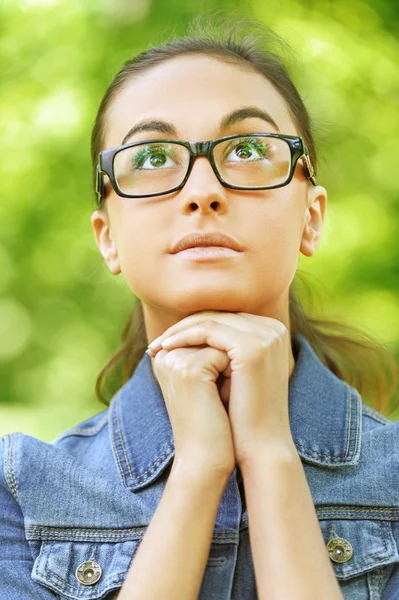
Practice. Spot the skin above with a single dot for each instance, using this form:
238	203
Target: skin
273	226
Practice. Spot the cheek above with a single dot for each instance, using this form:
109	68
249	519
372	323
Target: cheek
141	248
276	235
134	251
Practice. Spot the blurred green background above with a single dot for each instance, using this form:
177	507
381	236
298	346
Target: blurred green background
61	310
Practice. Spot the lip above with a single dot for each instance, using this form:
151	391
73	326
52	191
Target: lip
201	239
207	253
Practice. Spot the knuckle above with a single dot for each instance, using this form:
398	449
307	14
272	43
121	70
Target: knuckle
189	370
257	352
281	328
161	358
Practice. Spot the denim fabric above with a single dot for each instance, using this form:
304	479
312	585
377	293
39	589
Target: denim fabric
90	494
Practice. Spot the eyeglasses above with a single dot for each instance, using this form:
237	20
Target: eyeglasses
253	161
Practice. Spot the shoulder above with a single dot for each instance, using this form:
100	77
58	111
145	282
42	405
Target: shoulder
89	428
373	419
379	438
23	458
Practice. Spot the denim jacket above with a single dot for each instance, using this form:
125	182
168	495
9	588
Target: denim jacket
74	511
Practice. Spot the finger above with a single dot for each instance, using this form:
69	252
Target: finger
261	321
182	325
229	319
216	335
241	321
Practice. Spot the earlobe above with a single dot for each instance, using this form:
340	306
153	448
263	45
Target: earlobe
104	241
112	261
314	217
109	251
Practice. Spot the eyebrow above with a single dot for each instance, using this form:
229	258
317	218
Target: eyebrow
230	119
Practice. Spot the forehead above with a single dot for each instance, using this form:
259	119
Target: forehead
194	92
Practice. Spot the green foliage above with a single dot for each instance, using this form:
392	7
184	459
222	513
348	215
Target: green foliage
61	311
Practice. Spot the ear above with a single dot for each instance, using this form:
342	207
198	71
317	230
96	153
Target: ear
314	218
103	235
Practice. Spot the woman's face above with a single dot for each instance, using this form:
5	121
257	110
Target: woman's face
135	235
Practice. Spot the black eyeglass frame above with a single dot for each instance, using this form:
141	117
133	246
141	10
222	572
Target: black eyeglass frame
296	144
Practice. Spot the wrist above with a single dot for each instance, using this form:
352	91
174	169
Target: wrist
276	452
199	475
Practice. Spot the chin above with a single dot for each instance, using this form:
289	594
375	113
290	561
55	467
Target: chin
202	300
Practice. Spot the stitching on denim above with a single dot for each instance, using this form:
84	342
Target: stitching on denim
356	571
337	459
358	401
121	438
10	457
69	586
80	534
151	468
319	454
47	555
155	463
83	430
116	452
356	510
359	421
341	570
373	414
7	442
374	553
38	529
42	532
118	576
348	421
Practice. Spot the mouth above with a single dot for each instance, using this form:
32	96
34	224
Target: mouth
208	253
211	239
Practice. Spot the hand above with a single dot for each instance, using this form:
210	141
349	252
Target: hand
202	434
256	373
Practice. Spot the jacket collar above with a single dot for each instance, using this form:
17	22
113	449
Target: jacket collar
325	419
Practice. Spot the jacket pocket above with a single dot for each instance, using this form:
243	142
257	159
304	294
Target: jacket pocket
361	546
78	570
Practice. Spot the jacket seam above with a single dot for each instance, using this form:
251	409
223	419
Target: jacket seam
9	464
83	430
348	421
144	475
379	418
358	421
121	438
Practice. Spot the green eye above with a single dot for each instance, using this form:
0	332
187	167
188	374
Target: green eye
157	156
245	147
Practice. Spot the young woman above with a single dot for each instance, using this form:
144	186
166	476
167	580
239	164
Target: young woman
235	461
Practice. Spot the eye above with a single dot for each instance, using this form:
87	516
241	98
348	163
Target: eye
153	157
248	150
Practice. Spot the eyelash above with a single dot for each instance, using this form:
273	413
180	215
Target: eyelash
260	147
147	151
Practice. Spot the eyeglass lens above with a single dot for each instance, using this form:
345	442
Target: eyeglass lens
248	161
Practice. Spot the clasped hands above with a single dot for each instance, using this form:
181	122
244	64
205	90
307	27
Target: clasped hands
257	398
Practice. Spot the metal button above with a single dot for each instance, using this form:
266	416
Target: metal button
88	572
339	549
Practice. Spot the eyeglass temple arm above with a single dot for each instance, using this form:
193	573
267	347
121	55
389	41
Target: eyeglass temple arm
308	165
99	184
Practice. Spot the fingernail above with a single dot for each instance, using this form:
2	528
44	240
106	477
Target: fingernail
150	353
155	342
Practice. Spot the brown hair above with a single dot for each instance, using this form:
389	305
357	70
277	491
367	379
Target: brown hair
350	354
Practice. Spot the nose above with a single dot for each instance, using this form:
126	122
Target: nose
202	189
